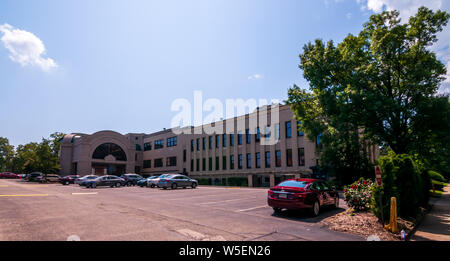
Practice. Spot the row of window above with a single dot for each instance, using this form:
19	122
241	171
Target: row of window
203	143
197	166
158	163
159	144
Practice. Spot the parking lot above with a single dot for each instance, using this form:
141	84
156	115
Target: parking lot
33	211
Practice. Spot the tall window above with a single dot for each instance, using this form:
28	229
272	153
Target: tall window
192	145
210	143
249	161
240	161
299	133
197	163
267	159
203	164
210	164
277	131
147	164
231	161
204	143
147	146
192	165
248	137
267	134
232	140
159	144
277	158
301	156
258	134
171	142
198	144
217	163
184	155
258	160
239	138
224	140
288	126
158	163
224	162
171	161
217	141
289	157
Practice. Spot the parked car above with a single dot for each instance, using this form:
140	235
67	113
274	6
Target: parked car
34	176
175	181
154	181
82	181
8	175
70	179
131	179
145	182
108	180
46	178
22	176
297	194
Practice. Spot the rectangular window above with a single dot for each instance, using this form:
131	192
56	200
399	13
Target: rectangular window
184	155
192	165
301	156
159	144
258	135
204	143
258	160
197	163
204	164
210	164
224	140
147	146
224	162
217	141
277	158
158	163
240	161
171	142
147	164
277	131
288	126
249	161
171	161
232	140
267	159
239	138
289	157
248	137
217	163
192	145
231	161
299	133
210	138
198	144
267	134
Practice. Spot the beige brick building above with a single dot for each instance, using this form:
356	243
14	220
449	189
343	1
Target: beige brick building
261	152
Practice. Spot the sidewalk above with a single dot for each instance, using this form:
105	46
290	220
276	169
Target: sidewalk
436	224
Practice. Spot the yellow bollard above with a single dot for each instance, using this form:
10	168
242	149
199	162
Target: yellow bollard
392	226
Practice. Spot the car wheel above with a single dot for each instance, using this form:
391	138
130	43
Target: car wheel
277	210
118	185
315	210
194	185
174	186
67	183
164	187
152	185
93	185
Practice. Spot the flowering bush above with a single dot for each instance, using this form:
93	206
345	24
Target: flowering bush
358	194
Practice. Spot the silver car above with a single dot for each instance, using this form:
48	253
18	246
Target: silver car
153	182
79	181
177	180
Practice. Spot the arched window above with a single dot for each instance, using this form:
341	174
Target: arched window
109	149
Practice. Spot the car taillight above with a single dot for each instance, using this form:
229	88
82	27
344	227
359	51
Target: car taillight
270	192
299	195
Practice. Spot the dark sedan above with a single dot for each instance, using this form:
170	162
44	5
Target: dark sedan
35	176
297	194
145	182
131	179
70	179
109	181
177	180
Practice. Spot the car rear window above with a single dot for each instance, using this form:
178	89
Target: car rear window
293	183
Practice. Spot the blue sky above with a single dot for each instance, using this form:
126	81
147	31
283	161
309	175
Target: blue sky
118	65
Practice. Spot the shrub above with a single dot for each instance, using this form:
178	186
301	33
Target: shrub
436	176
358	194
238	181
401	179
204	182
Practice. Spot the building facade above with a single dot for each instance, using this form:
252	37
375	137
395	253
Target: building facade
244	148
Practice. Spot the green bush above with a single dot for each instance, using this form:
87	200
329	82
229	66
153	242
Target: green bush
204	182
238	181
401	179
436	176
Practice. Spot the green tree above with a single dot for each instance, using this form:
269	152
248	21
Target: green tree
6	155
376	86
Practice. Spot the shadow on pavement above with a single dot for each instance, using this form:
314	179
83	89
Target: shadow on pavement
305	216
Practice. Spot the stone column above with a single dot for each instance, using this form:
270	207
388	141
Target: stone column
250	180
272	180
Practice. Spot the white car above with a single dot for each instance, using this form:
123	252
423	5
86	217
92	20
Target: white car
154	182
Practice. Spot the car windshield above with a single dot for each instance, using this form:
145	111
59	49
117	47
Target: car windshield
293	183
91	177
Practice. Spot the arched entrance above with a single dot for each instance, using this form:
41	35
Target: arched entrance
109	159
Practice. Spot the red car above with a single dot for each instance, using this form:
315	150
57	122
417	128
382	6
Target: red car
8	175
298	194
66	180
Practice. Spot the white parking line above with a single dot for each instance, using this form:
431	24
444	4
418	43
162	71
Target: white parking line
248	209
86	193
222	201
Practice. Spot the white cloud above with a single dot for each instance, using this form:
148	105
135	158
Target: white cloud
255	77
25	48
